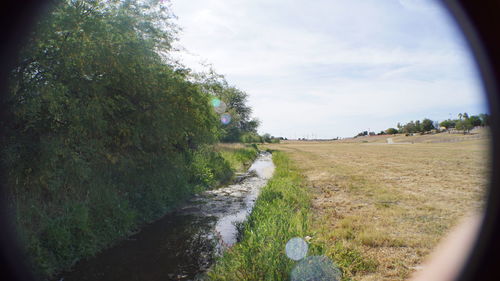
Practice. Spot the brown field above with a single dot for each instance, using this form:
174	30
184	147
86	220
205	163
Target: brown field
390	203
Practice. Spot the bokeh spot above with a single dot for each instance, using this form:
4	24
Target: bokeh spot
225	118
219	106
317	268
296	248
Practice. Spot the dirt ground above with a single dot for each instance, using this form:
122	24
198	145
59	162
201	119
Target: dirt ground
390	202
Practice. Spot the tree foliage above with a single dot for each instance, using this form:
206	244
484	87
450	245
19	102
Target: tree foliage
485	119
104	131
447	124
391	131
427	125
241	125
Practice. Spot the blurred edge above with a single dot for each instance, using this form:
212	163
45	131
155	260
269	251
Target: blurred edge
480	21
16	20
477	19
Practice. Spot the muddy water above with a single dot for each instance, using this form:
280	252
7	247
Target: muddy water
183	244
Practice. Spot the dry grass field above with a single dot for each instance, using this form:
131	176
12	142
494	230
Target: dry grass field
391	203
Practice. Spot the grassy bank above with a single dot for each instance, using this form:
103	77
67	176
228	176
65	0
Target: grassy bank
282	211
239	156
59	228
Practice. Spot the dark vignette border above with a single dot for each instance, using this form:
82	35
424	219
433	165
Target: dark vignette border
480	23
17	17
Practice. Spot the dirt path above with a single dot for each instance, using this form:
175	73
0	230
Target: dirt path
390	203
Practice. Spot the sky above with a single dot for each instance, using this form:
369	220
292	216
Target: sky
333	68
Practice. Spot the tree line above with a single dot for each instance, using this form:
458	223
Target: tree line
464	122
105	131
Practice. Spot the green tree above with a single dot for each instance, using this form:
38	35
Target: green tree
418	127
485	119
266	137
475	120
448	124
236	101
409	128
361	134
391	131
464	125
427	125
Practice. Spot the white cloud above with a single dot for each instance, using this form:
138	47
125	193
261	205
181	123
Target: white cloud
308	64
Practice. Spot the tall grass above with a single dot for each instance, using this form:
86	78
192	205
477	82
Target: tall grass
239	157
280	213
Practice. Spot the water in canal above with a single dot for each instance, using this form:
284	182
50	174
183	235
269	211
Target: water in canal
181	245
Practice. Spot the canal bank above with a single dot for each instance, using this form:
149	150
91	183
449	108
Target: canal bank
183	244
281	214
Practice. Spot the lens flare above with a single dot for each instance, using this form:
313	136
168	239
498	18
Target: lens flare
317	268
225	118
296	248
215	102
219	106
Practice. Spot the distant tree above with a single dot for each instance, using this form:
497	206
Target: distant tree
485	119
418	126
427	125
364	133
409	128
475	120
275	140
266	137
464	125
448	124
391	131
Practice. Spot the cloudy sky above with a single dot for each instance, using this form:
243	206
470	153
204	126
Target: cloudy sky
328	68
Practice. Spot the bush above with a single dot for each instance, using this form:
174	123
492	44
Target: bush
239	158
251	138
210	168
103	134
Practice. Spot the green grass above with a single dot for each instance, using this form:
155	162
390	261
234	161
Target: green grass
282	211
239	158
